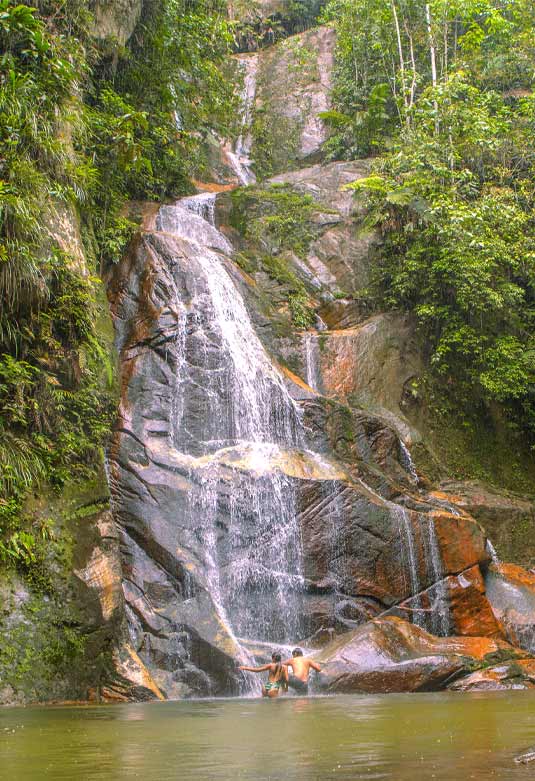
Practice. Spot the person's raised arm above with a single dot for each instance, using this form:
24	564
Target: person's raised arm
315	666
260	669
288	663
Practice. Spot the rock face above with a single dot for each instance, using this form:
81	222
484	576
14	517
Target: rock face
293	86
509	520
511	593
55	663
339	259
519	674
261	474
348	361
391	655
252	509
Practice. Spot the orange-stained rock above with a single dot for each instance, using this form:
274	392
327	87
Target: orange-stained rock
470	610
132	681
370	361
391	655
511	593
518	674
213	187
508	520
516	575
102	572
461	541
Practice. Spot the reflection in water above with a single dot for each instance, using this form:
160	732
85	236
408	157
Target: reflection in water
398	737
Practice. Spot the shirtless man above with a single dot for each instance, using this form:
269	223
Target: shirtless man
301	666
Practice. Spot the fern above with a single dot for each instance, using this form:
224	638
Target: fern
21	463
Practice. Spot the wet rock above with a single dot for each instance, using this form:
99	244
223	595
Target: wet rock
101	573
391	655
470	610
294	82
131	680
359	548
371	362
525	759
342	255
511	593
508	519
518	674
461	539
325	183
200	472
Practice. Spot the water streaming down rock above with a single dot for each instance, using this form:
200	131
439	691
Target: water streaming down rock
219	518
492	552
202	204
407	462
439	623
312	361
409	561
239	155
186	220
245	418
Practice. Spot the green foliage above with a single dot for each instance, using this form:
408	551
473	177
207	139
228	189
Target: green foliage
389	52
42	649
277	219
276	216
149	113
452	193
251	29
301	311
83	130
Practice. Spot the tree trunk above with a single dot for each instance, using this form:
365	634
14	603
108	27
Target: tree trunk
433	56
401	62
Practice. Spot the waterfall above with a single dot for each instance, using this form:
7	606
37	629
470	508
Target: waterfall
409	559
202	204
312	361
231	419
438	622
407	462
440	618
183	219
492	552
239	155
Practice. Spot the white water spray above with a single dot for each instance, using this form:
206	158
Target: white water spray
239	156
407	462
247	529
312	360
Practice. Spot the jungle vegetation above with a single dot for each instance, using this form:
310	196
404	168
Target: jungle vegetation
440	94
84	129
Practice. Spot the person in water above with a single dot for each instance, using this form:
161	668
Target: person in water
277	679
301	667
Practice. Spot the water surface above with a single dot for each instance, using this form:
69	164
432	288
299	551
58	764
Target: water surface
447	737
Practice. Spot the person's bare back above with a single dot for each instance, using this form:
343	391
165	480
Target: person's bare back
301	667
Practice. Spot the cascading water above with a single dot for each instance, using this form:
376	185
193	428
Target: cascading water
492	552
437	620
407	462
249	533
239	155
202	204
312	361
409	559
187	220
440	617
